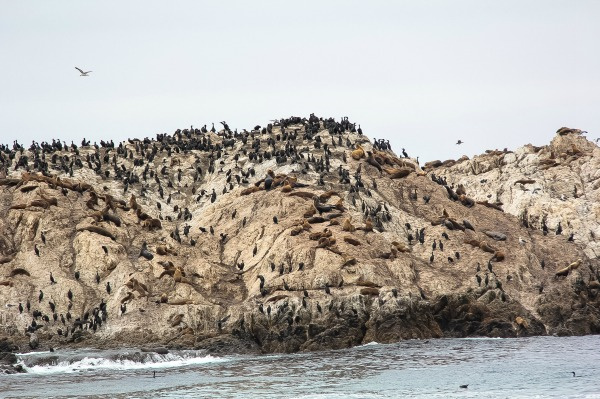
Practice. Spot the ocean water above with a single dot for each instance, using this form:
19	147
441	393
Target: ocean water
539	367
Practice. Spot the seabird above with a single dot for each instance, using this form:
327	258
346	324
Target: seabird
83	73
459	142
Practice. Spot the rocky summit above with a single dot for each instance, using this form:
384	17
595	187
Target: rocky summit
300	235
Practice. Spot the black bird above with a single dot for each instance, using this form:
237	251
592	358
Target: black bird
36	250
275	219
571	237
123	308
327	290
543	263
70	295
108	287
434	245
52	306
478	280
76	275
145	253
97	277
457	255
286	286
441	246
20	307
43	237
450	259
431	258
255	250
445	235
490	266
41	296
559	229
319	308
52	281
466	385
28	305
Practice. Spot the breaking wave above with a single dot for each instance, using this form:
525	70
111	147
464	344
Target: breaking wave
50	363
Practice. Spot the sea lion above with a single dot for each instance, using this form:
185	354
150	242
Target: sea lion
352	241
487	248
277	298
318	235
250	190
358	153
524	181
301	194
286	188
328	194
348	260
369	291
521	322
498	256
347	226
325	242
316	219
152	224
98	230
575	264
468	225
128	297
400	246
472	242
562	272
177	274
490	205
495	235
368	227
466	201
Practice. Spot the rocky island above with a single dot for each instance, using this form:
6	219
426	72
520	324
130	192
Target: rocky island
300	235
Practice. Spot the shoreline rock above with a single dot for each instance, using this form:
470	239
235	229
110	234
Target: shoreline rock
302	236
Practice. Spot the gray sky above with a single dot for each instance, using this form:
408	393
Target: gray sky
420	73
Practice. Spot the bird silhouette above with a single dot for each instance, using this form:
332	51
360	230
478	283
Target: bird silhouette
82	72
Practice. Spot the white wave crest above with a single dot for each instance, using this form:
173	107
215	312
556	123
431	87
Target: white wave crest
90	363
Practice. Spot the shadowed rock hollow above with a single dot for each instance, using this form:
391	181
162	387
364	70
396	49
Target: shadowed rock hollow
301	235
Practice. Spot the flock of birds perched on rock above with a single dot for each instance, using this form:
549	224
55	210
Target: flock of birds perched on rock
154	166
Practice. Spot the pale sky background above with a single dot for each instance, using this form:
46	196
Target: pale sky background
420	73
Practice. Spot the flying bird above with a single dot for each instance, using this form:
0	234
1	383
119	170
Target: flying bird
457	143
83	73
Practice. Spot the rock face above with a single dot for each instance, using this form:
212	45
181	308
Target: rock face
298	236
